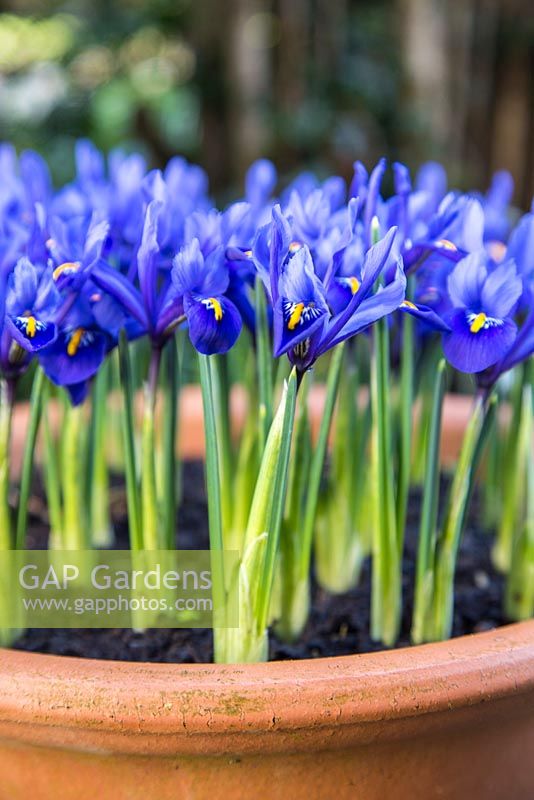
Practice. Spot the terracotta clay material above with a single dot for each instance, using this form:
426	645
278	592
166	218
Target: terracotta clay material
451	720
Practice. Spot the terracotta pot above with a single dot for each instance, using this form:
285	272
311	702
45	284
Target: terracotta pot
449	720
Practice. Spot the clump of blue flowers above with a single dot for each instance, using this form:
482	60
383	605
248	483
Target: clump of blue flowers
132	279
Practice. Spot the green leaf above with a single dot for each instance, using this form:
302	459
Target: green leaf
268	502
424	578
386	587
264	360
36	405
318	459
128	427
213	491
171	392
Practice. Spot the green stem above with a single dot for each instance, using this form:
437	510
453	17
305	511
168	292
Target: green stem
386	590
296	597
6	415
151	528
264	361
424	576
337	559
75	528
519	599
318	458
512	485
100	527
220	388
170	491
244	480
406	412
256	575
213	491
286	603
28	458
52	476
128	429
425	374
492	493
460	493
277	452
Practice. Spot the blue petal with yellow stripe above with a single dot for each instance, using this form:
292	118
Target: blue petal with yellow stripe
31	333
214	323
75	356
477	341
482	329
301	308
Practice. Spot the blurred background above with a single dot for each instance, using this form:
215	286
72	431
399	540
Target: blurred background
309	83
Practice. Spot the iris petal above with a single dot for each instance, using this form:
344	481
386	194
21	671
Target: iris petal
214	323
502	290
31	333
374	307
74	357
425	314
475	352
301	308
467	279
340	292
25	282
78	392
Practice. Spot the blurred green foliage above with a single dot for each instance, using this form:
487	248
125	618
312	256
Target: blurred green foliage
151	76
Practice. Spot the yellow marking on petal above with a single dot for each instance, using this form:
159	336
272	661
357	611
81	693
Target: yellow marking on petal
294	247
31	327
74	342
296	314
217	308
248	253
478	322
409	304
68	266
447	245
354	284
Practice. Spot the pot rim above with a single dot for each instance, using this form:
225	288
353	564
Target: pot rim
199	708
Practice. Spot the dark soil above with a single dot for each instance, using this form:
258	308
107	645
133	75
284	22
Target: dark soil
337	625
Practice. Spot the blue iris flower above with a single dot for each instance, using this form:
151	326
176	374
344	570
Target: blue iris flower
427	222
482	328
201	283
158	301
181	189
461	301
79	346
29	301
147	301
75	246
30	304
304	325
77	352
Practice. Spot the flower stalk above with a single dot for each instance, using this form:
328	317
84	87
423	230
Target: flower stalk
386	595
100	522
519	600
455	517
75	531
6	415
426	551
